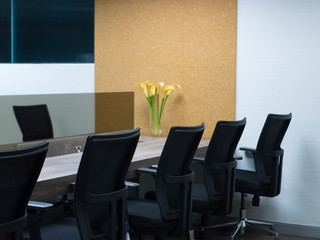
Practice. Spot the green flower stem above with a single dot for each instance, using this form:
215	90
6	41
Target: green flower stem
158	108
164	100
155	114
156	111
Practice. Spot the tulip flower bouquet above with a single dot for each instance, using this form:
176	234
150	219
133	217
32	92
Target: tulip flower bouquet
157	95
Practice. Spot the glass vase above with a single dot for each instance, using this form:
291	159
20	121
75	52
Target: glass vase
155	124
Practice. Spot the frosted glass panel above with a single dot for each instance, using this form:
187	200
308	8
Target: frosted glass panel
71	114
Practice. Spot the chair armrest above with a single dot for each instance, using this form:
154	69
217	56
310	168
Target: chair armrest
72	186
246	149
127	183
154	166
35	205
149	171
198	159
236	157
132	184
35	209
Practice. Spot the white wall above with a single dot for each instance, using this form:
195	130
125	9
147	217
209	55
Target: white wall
278	71
67	89
21	79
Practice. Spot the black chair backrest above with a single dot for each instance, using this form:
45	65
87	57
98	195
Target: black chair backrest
19	172
34	122
269	155
100	191
219	164
174	177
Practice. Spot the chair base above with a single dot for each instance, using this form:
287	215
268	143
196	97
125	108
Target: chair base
258	225
242	225
221	225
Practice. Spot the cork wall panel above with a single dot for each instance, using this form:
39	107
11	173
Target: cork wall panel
188	42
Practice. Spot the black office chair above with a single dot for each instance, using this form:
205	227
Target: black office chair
266	180
19	171
215	195
100	190
170	213
34	122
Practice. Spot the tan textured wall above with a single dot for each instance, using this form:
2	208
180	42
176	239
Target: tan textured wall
188	42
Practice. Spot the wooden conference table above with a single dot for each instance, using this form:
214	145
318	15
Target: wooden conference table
59	171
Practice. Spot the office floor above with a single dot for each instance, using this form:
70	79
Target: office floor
210	234
249	235
225	235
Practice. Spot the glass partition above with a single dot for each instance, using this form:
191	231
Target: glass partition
71	114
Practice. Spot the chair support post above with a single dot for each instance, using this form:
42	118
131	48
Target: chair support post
244	222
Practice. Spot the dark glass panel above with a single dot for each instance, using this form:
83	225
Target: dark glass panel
53	31
5	31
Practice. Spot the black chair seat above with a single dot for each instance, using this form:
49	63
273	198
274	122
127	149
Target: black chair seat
202	203
146	214
249	182
67	230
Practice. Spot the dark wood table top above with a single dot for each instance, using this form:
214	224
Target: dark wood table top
59	171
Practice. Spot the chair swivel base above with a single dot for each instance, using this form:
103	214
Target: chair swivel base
259	225
200	234
242	225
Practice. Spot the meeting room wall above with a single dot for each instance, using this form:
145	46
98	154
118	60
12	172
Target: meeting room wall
187	42
278	71
67	89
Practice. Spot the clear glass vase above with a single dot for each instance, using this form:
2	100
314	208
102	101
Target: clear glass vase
155	124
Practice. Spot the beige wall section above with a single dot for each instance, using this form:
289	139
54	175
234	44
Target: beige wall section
188	42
